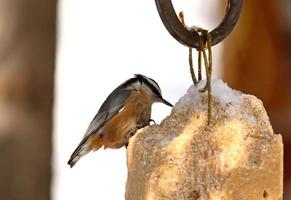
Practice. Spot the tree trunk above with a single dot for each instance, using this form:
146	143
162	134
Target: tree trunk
27	60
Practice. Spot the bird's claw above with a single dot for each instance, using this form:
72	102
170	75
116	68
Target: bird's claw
151	120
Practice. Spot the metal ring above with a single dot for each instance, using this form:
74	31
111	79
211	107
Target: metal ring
191	39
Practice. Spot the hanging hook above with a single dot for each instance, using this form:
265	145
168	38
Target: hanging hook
191	38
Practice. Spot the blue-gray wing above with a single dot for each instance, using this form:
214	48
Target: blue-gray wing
111	106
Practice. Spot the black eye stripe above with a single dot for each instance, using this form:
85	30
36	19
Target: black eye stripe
142	78
154	89
155	82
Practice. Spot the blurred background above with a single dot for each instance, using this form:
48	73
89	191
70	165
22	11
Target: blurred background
60	60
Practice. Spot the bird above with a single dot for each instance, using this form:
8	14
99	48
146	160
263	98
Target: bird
125	110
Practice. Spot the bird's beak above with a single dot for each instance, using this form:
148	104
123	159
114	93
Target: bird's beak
165	102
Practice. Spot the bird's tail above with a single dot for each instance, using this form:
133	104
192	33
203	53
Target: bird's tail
85	146
80	151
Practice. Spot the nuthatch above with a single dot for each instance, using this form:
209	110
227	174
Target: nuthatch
125	110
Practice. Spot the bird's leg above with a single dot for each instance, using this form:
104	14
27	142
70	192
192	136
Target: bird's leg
147	124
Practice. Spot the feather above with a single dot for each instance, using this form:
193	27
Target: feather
111	106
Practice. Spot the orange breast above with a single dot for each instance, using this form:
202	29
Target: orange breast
123	125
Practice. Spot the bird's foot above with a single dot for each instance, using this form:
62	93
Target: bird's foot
151	120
